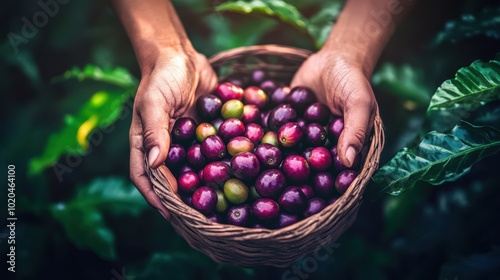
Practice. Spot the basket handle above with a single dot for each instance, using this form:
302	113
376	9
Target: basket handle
258	50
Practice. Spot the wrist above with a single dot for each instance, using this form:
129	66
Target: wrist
350	56
362	31
357	47
154	30
158	54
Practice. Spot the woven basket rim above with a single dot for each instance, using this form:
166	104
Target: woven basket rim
345	208
256	50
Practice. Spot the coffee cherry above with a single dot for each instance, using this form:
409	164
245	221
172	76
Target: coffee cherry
235	191
183	130
205	199
344	180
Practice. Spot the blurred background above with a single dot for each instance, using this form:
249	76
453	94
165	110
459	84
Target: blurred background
67	87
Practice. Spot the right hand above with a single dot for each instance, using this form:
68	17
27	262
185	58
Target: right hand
344	86
167	90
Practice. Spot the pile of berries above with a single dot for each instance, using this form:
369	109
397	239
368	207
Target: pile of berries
264	154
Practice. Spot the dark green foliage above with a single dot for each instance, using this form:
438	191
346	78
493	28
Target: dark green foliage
405	82
440	157
93	224
273	8
487	23
82	217
471	87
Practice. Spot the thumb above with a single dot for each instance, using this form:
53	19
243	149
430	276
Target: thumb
297	79
207	77
358	121
310	75
205	81
304	77
155	127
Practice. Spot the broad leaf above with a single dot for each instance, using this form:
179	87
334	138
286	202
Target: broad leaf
82	217
245	34
321	24
403	81
472	87
282	10
456	98
486	23
439	157
118	76
103	109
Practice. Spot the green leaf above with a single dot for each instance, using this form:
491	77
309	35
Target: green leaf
472	87
100	111
228	36
439	157
487	23
321	24
118	76
282	10
403	81
82	217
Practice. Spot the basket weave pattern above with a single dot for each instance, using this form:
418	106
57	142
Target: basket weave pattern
280	247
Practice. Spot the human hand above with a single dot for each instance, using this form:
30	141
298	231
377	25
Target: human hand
167	91
342	83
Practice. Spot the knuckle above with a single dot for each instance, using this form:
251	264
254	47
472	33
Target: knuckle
131	134
359	135
147	100
363	100
150	137
136	145
134	133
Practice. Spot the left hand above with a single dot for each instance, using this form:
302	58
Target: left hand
168	89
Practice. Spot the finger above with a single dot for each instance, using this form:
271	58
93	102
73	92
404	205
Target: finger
298	79
171	180
358	121
207	83
303	78
208	78
154	120
138	173
308	76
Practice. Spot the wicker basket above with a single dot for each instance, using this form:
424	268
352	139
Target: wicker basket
281	247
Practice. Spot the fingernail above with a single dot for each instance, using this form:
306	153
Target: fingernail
153	155
350	155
